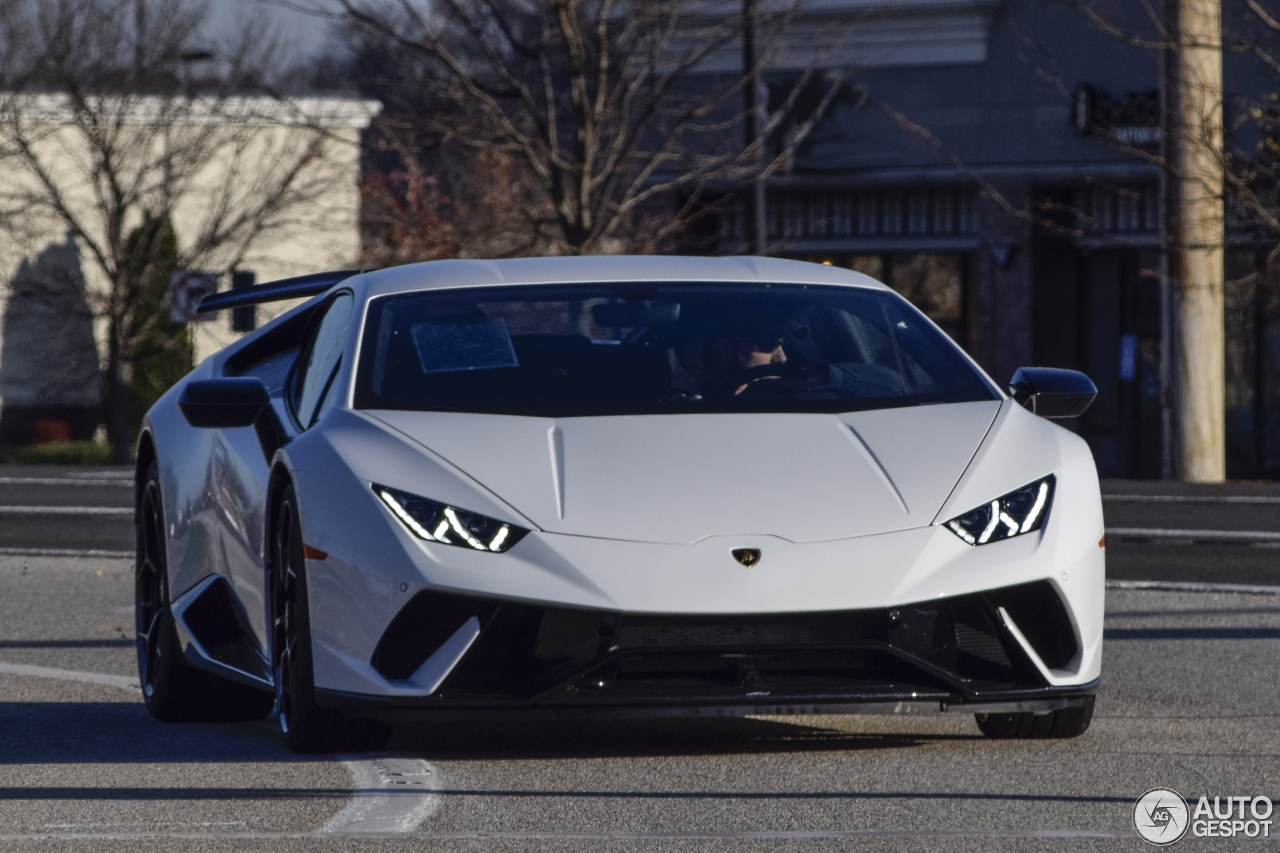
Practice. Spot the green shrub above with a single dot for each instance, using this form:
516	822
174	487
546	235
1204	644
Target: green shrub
57	453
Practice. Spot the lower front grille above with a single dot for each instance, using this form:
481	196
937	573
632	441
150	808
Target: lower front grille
810	629
777	673
541	655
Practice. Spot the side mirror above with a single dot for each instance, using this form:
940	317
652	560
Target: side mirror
1053	393
224	403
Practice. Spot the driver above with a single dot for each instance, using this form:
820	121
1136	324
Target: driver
772	354
757	352
730	364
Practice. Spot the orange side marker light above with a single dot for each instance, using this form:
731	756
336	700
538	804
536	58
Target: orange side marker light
313	553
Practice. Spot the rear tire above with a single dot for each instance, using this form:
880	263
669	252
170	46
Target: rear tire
173	690
1068	722
307	727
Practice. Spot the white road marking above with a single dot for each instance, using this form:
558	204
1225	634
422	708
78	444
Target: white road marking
1194	499
66	510
103	825
1162	533
1188	586
767	835
64	552
393	796
73	480
124	682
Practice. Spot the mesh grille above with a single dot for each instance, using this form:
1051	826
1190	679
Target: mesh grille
687	636
980	644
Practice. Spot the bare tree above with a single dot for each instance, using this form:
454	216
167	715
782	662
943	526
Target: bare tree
115	111
607	105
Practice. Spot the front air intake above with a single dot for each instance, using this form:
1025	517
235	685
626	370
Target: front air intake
1041	617
420	628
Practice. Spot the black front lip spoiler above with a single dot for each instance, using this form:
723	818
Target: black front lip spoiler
401	709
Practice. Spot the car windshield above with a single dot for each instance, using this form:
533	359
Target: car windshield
625	349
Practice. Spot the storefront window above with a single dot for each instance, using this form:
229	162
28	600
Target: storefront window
1252	352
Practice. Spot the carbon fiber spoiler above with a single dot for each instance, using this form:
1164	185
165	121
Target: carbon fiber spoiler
275	291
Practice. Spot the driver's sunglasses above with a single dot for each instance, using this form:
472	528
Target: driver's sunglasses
772	342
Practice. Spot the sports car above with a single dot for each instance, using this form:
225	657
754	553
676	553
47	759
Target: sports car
612	486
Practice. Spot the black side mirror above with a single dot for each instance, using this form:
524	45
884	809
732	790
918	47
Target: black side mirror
1053	393
224	403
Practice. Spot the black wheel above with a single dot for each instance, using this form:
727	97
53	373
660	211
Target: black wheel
172	689
1071	721
307	727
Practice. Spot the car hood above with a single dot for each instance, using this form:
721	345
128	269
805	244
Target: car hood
681	478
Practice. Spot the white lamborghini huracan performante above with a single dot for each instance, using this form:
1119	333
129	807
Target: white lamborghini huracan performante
612	486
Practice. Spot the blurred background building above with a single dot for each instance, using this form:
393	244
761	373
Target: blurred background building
54	308
998	163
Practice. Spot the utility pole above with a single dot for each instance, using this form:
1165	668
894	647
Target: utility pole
1168	216
1196	235
756	230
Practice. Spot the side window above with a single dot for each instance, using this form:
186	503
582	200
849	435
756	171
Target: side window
321	358
329	397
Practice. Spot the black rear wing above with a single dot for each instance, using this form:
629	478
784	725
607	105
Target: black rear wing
275	291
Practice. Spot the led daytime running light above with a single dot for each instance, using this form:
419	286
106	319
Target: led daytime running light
408	520
1042	495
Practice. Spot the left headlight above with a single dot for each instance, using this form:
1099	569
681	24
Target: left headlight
1021	511
449	525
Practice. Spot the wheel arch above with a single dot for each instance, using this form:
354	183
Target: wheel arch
280	479
145	456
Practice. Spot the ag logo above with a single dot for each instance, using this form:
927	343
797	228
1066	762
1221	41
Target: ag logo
747	556
1161	816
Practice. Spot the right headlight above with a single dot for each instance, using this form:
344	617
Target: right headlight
1021	511
448	525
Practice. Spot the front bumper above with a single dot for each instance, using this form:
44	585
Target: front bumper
983	652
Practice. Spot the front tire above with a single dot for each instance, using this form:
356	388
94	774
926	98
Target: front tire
173	690
307	727
1068	722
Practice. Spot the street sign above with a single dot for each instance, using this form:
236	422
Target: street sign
1129	357
186	289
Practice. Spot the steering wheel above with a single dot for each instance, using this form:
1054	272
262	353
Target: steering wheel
788	377
778	370
792	378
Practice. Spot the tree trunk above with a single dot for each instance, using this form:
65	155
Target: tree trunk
1198	238
118	399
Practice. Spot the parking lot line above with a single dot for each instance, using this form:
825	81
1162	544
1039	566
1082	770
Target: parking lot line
87	480
66	510
1216	535
392	796
124	682
1179	586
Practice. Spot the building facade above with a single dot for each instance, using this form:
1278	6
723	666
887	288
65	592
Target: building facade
998	163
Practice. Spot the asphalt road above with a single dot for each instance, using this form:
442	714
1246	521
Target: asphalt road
47	508
1189	701
1226	534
